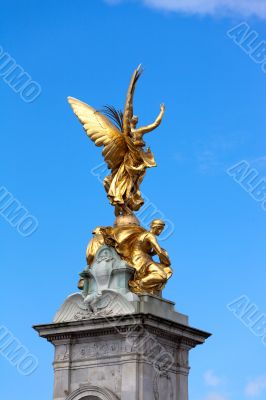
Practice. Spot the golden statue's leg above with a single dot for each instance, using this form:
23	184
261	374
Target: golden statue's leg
168	271
135	286
152	282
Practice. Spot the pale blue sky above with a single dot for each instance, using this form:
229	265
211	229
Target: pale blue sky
215	100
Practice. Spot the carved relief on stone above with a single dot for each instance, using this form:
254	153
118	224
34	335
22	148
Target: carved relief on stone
62	353
105	293
163	386
97	350
158	353
101	349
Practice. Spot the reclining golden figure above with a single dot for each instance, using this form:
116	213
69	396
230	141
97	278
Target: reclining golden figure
136	246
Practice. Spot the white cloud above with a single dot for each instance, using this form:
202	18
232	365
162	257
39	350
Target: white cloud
215	396
256	387
211	379
207	7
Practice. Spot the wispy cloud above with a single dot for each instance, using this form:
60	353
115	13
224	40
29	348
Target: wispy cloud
256	387
206	7
211	379
212	152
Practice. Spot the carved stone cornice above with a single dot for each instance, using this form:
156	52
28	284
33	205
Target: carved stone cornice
124	325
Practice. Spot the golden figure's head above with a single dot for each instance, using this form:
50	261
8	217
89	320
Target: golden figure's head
157	226
134	122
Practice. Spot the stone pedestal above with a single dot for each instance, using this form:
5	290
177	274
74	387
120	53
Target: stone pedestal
131	357
111	344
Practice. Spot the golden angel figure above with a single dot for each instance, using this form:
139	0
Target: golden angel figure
123	148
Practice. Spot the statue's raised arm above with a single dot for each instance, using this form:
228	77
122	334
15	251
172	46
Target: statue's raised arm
154	125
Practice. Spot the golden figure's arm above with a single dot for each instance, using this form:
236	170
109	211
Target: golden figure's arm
162	254
155	245
151	127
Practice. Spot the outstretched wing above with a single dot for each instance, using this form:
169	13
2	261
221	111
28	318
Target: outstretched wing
73	305
102	131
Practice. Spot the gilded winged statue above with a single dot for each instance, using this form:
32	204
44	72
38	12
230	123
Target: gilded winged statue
123	147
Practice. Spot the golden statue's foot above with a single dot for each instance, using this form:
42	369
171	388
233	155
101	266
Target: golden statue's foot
168	272
157	293
134	287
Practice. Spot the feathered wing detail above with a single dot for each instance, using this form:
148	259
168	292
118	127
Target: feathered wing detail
114	115
73	305
102	132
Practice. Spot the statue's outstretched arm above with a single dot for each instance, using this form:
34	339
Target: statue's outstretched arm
151	127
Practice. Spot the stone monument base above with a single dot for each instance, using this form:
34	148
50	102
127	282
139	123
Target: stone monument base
139	356
111	344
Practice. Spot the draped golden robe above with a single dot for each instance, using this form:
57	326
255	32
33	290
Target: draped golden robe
136	246
123	185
